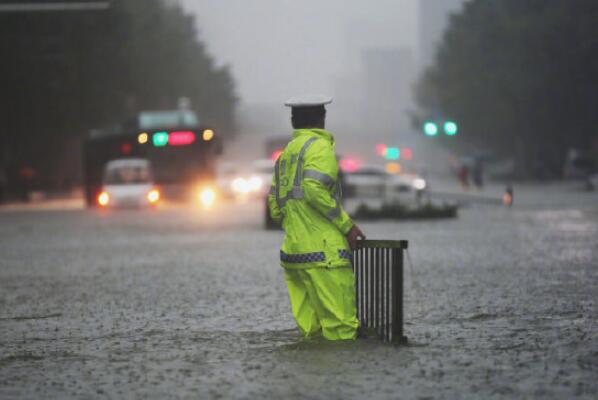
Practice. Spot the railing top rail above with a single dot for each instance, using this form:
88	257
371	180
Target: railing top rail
375	244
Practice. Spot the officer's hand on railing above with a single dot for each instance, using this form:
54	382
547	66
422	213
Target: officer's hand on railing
354	234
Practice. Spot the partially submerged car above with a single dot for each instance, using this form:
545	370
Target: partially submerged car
374	181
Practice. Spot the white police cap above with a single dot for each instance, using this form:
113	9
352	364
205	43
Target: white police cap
308	100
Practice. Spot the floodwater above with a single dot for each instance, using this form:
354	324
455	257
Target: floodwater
182	303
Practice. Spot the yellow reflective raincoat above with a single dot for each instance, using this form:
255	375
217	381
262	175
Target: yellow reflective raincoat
305	197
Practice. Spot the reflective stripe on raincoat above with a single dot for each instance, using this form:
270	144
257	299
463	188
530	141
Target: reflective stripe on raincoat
305	196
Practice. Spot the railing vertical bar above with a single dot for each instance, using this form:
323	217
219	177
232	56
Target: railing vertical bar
361	258
385	291
381	293
393	300
400	296
365	286
381	286
372	282
356	266
397	301
387	298
357	282
376	286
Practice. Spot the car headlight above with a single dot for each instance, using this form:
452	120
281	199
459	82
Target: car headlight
240	185
153	196
419	184
103	199
207	197
255	183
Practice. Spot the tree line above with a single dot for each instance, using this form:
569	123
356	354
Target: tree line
64	73
520	77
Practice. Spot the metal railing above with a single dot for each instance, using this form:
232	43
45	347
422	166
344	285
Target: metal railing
378	267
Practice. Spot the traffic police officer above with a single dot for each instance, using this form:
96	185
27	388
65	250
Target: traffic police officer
319	235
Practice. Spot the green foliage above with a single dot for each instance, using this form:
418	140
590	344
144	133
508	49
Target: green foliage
520	77
64	73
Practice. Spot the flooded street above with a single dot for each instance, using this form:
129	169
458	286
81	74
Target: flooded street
182	303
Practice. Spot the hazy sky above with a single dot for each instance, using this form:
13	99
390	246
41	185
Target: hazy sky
278	48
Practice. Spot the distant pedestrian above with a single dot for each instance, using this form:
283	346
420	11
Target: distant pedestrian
478	173
463	175
507	197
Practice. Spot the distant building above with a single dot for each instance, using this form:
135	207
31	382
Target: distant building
388	76
433	21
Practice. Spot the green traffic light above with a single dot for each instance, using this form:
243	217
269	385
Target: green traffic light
393	153
430	128
160	139
450	128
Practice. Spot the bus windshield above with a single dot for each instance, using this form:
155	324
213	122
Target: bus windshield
124	175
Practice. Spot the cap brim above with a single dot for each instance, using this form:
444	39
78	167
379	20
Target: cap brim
308	101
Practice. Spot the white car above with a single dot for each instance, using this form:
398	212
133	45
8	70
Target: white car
369	181
405	187
374	181
128	183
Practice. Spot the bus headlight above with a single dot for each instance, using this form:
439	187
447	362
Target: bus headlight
207	197
103	199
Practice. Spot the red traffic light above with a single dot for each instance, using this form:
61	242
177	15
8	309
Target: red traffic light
381	149
181	138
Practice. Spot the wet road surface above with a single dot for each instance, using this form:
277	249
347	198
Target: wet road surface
181	303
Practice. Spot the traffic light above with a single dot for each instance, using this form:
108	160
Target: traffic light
450	128
381	149
160	139
176	138
430	128
181	138
393	153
